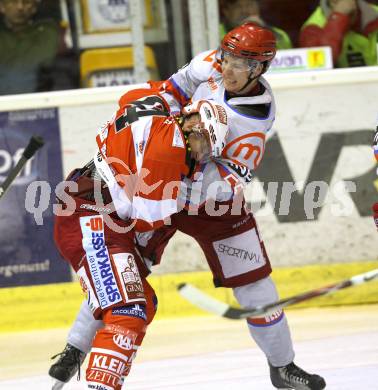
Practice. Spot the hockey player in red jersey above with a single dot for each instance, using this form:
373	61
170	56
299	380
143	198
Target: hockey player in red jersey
143	155
230	76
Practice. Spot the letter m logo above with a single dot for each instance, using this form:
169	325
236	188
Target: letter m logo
246	150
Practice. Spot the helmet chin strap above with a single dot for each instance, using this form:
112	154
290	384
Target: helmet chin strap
250	80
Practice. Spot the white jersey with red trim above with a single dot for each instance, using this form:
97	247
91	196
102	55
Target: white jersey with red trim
249	117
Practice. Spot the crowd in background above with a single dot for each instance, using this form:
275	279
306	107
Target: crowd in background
36	55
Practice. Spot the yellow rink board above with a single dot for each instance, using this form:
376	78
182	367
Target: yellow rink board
56	305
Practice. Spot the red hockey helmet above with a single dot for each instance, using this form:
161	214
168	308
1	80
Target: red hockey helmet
250	41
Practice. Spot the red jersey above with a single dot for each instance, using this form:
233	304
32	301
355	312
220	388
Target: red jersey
142	158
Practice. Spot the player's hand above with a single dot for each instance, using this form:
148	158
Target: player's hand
375	210
345	7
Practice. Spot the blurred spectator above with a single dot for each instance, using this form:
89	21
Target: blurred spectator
288	14
235	12
28	48
349	27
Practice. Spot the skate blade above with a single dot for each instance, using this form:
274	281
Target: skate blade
57	385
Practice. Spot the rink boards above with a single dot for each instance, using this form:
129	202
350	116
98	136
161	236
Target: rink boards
321	147
56	305
322	142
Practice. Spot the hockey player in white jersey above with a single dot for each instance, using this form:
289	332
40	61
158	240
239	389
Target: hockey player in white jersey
231	76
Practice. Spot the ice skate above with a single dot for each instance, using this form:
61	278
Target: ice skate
293	377
67	366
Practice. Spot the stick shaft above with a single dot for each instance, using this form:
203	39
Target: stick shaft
12	175
208	303
353	281
34	144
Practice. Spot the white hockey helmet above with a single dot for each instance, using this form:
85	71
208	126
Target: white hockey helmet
213	122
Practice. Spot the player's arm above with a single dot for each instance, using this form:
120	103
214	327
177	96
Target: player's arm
180	87
236	175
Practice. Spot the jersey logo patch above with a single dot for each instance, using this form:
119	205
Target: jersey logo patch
246	150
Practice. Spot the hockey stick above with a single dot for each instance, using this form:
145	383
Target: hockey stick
208	303
34	144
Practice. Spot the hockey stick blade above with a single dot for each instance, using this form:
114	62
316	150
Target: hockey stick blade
212	305
34	144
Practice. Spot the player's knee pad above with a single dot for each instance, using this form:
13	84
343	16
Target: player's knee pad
261	292
115	346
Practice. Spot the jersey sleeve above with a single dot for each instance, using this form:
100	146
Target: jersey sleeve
214	180
182	84
236	175
147	98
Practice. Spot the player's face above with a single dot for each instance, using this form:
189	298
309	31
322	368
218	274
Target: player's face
198	138
236	72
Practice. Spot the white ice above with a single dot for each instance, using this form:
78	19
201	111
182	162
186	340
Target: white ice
347	359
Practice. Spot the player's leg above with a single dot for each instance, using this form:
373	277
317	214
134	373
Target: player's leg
83	329
117	342
272	335
238	259
151	245
79	343
67	236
